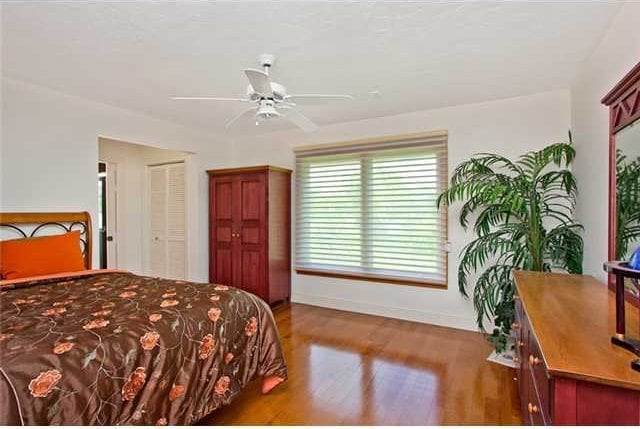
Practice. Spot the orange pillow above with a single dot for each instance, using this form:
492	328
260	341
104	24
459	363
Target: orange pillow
39	256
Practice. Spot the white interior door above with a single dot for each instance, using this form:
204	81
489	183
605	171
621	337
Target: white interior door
112	215
167	220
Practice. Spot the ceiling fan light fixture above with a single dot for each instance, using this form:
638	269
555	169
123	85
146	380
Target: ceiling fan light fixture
267	110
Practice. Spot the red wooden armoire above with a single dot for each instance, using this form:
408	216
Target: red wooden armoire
250	230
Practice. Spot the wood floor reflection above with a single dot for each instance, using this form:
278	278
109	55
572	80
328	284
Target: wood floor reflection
350	369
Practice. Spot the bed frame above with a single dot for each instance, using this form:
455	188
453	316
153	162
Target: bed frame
27	225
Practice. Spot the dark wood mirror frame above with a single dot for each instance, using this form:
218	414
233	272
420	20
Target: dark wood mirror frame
624	109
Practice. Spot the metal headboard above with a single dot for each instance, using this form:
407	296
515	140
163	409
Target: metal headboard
25	225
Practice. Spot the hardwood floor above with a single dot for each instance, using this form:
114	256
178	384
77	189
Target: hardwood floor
354	369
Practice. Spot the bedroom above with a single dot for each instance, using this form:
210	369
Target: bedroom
479	77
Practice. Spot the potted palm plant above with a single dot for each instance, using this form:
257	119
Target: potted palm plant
522	217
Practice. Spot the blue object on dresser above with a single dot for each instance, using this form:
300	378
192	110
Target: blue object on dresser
634	260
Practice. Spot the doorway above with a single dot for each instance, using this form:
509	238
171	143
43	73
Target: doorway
152	203
107	210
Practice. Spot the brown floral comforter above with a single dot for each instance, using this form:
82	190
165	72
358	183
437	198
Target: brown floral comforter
117	348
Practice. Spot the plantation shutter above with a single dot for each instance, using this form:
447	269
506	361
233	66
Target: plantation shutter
369	209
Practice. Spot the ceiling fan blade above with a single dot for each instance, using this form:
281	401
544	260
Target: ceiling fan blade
260	82
205	98
240	116
315	98
297	118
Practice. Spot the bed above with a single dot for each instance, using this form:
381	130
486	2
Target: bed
110	347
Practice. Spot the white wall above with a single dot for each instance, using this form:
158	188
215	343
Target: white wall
50	153
508	127
616	54
132	239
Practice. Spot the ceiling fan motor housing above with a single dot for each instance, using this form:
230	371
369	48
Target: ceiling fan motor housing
279	93
266	60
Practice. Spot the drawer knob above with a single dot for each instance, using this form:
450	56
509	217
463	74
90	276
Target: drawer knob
515	325
533	409
520	343
533	360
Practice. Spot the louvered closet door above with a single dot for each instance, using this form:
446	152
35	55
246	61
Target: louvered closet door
176	222
167	220
158	220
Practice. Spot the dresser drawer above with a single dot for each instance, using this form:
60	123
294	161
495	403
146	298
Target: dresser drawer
534	382
534	408
539	376
521	334
521	331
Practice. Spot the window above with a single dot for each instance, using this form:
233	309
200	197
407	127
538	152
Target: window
368	210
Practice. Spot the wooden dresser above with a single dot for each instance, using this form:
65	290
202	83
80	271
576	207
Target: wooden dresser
569	372
250	230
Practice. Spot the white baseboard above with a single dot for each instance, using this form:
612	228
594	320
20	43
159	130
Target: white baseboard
448	320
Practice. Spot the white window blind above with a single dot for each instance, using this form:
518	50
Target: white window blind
370	210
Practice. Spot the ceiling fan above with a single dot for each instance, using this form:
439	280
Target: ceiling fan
270	99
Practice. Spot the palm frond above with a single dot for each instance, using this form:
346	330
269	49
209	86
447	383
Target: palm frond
564	247
491	288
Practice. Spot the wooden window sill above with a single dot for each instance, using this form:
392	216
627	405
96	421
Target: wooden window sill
372	278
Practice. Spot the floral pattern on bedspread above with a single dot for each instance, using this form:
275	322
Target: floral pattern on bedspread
119	348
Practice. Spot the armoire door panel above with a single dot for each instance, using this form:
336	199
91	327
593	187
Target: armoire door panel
252	271
223	234
223	266
250	235
221	207
223	190
252	199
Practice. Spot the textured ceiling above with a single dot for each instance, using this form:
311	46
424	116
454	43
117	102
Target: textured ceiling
416	55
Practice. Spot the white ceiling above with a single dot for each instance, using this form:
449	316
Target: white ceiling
417	55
